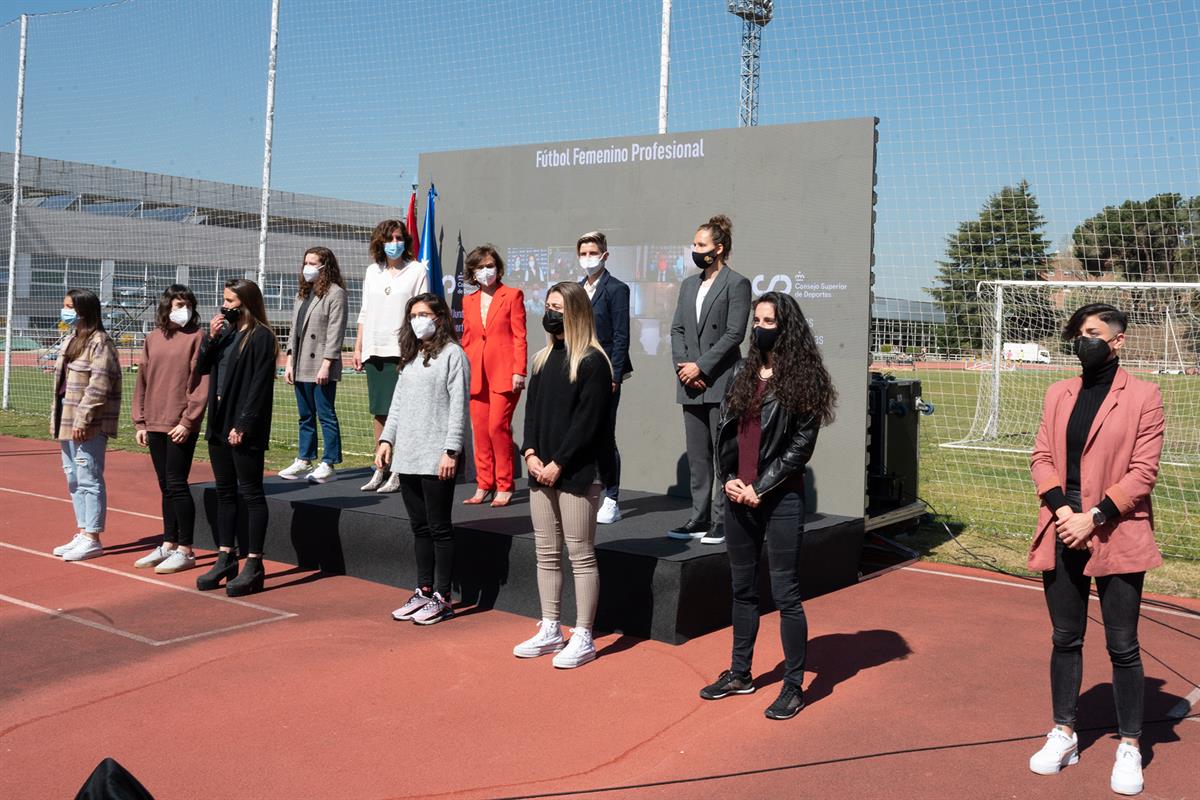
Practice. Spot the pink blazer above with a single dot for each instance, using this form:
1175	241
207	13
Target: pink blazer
1120	459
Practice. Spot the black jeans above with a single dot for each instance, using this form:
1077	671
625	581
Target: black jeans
172	465
1067	590
239	471
779	519
428	501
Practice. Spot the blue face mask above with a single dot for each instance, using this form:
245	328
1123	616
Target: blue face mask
393	250
68	316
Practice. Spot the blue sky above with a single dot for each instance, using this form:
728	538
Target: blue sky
1092	102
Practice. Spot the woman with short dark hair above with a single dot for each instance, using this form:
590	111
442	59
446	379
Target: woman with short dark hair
1095	463
779	396
169	399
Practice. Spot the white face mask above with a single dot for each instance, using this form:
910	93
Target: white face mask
311	272
181	316
486	276
423	327
591	264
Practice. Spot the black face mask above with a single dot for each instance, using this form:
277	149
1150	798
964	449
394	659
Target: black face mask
764	338
704	260
1091	352
231	314
552	322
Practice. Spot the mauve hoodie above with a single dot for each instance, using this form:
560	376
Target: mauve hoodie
168	390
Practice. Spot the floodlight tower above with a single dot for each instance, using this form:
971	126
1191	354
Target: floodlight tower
755	15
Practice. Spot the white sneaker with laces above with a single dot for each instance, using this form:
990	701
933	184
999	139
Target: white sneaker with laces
296	471
579	651
154	557
324	473
177	561
609	512
1059	751
549	640
62	548
1127	770
411	606
390	486
88	548
377	479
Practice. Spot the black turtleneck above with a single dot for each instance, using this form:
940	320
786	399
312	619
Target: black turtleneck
1096	383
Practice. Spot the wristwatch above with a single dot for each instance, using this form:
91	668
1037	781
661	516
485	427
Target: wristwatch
452	453
1098	517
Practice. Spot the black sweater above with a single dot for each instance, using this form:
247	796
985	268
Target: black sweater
1096	383
567	423
246	383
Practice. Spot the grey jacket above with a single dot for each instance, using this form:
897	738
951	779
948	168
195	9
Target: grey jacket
715	343
430	412
318	336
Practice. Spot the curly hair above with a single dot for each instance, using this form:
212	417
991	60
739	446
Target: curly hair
799	380
330	273
411	346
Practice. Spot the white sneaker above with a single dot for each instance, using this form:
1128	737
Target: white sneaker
88	548
549	640
579	651
609	512
62	548
1059	751
154	557
323	473
411	606
1127	770
390	486
375	482
297	470
177	561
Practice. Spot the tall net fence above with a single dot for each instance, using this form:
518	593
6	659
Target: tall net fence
1055	140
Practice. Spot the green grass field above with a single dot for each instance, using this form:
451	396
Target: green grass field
985	497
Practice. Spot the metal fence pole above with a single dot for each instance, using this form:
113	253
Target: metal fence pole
268	132
664	63
16	199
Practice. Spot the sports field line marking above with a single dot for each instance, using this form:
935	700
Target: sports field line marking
64	500
1184	706
1145	607
152	581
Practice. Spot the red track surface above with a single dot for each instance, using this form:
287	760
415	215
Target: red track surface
925	682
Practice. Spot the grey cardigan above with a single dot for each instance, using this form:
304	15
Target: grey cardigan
715	342
318	336
429	411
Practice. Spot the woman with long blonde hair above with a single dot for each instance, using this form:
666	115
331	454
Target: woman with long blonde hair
569	452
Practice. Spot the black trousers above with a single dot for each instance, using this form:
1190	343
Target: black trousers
700	434
238	472
428	500
779	520
173	465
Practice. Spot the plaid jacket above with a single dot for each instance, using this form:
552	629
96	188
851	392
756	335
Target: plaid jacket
93	389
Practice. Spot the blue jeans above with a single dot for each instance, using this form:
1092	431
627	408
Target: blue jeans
83	463
315	401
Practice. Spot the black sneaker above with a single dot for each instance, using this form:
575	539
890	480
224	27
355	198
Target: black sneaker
727	683
692	529
787	705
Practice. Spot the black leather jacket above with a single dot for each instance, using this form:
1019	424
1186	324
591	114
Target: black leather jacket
787	442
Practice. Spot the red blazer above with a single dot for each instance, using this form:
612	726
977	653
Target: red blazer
1120	459
496	349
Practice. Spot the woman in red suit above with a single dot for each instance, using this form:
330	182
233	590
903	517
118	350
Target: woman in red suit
1095	463
494	338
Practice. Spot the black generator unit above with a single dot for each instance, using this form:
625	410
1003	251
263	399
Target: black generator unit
894	408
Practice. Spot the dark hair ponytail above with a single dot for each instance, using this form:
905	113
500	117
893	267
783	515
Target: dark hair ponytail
720	228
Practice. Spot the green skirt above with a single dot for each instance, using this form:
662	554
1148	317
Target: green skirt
381	383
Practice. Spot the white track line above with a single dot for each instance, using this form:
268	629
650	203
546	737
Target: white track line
64	500
100	626
1032	588
164	584
1184	706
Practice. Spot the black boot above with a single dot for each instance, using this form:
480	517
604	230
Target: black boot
249	581
225	568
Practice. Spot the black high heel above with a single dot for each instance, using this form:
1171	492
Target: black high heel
249	580
223	569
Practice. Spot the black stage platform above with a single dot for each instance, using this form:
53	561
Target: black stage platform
650	586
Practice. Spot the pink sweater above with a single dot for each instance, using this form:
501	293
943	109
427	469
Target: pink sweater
168	390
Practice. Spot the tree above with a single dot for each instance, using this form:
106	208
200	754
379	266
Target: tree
1142	240
1004	243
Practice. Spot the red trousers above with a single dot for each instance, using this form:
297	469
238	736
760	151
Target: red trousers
491	420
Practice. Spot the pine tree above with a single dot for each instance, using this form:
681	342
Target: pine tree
1005	242
1142	240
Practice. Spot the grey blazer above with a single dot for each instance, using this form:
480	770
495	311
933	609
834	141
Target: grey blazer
318	336
715	342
